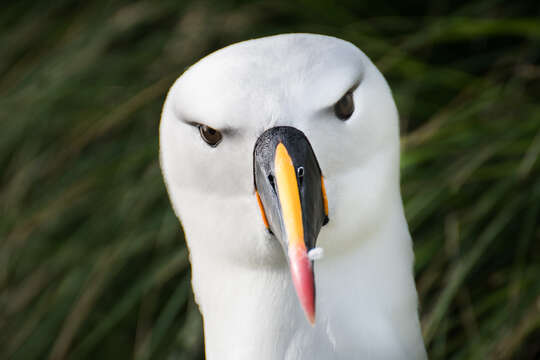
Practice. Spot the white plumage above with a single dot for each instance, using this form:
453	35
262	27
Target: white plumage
365	293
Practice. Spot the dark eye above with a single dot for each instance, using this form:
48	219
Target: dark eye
211	136
345	106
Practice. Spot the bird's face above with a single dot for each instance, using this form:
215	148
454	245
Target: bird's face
264	141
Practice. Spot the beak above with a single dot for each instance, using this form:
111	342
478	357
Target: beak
292	199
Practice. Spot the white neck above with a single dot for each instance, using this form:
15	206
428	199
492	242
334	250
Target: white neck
366	308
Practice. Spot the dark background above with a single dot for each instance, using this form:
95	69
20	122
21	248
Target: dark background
92	260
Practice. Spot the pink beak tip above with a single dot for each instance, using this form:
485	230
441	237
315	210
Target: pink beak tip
302	276
311	318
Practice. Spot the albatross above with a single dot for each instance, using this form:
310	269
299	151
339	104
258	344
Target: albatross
274	150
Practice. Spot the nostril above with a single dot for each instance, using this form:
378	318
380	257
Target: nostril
272	182
300	172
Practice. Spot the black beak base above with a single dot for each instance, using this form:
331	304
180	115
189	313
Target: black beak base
308	175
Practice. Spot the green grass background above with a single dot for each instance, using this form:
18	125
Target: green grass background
92	260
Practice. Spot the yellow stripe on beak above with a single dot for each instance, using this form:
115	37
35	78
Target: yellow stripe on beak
263	213
325	200
289	197
291	214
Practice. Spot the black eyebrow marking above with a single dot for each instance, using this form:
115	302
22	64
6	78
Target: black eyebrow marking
327	109
225	131
350	89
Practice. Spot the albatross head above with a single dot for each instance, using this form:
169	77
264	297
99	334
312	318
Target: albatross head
272	147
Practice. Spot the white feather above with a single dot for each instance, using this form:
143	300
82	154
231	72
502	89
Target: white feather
316	253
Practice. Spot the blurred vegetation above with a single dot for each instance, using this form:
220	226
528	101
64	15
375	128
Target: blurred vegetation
92	260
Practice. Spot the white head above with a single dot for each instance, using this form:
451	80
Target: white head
241	91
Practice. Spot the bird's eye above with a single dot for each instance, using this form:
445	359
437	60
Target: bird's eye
211	136
345	106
